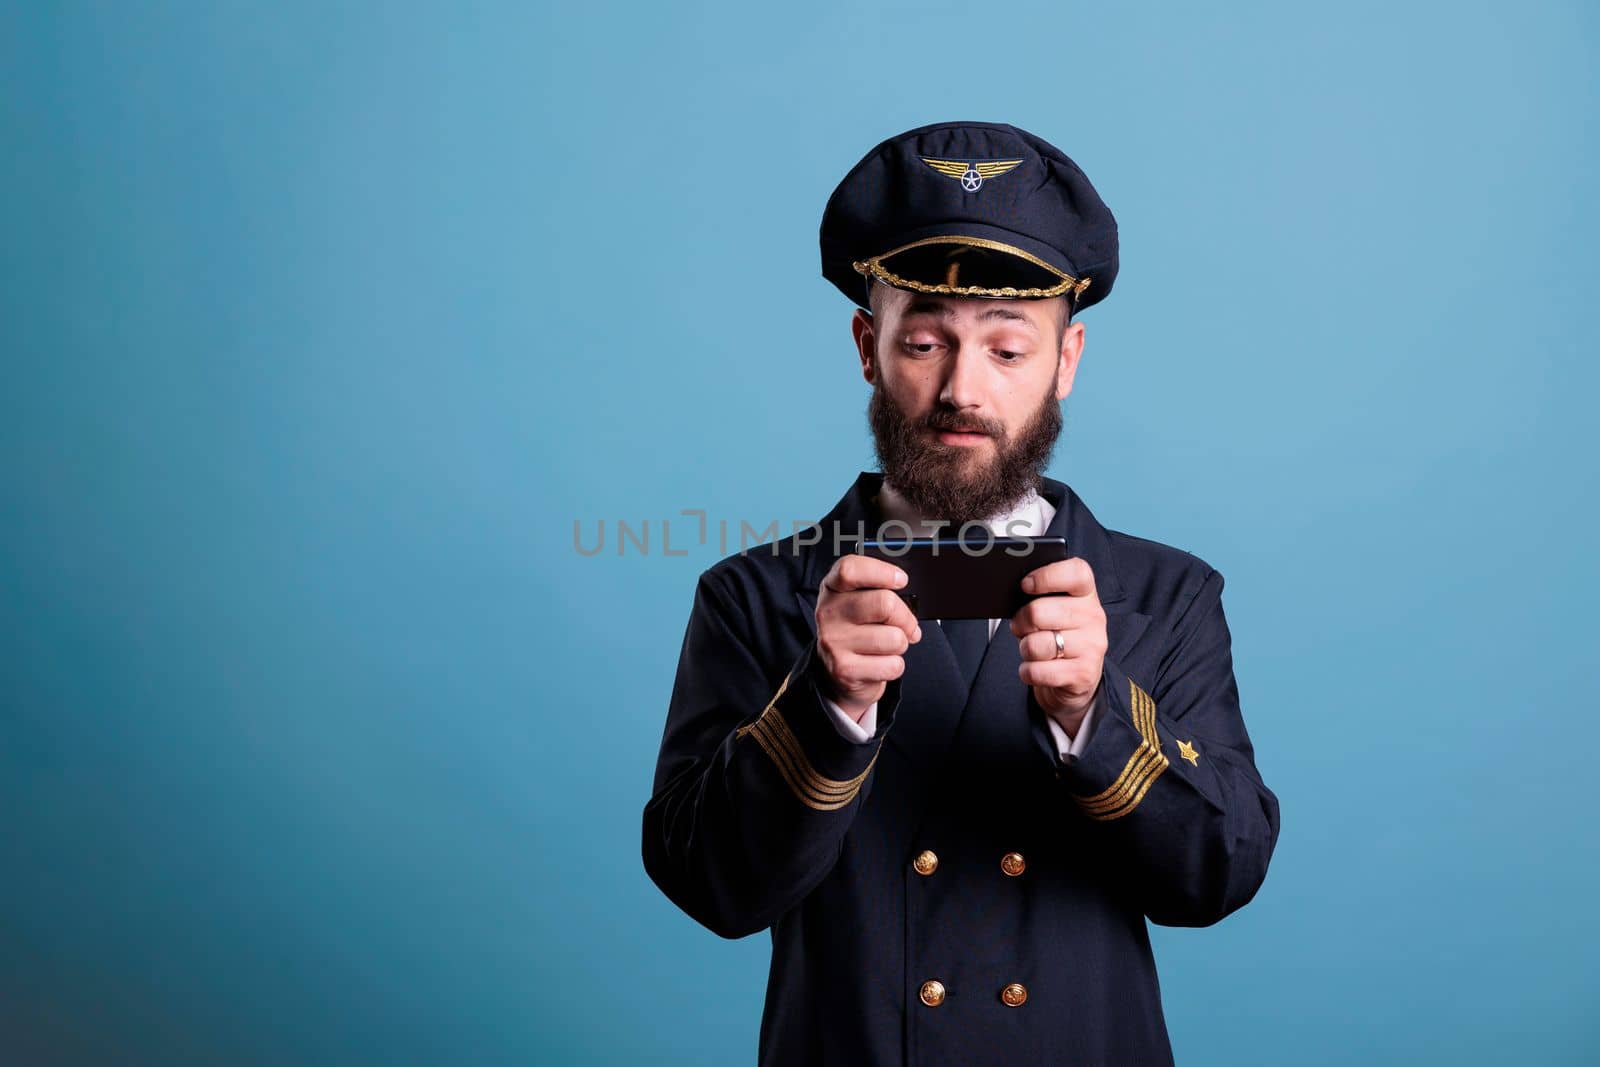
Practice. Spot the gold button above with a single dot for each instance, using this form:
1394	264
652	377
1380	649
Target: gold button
933	993
1013	863
1013	995
925	863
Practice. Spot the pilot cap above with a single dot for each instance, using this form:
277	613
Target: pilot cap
976	209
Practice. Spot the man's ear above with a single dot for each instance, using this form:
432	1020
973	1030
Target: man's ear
863	329
1071	352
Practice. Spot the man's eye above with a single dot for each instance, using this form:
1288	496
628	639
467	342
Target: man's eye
922	348
1009	357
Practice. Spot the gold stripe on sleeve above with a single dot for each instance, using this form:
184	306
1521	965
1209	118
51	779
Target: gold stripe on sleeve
1141	770
778	741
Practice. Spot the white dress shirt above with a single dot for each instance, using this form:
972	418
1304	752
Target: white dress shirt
1030	518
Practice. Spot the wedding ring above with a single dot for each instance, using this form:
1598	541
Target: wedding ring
1061	644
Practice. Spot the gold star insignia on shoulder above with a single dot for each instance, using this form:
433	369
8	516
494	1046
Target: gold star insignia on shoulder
1189	752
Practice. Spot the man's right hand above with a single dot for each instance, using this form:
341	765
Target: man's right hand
863	630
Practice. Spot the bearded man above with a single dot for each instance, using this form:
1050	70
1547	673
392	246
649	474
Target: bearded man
958	832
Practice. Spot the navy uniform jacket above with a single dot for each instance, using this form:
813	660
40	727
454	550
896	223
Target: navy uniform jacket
949	892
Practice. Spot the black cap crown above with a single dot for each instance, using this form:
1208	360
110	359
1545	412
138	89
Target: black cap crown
975	209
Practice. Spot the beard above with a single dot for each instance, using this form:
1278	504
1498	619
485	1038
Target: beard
957	483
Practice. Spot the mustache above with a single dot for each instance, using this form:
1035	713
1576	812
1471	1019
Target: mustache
950	420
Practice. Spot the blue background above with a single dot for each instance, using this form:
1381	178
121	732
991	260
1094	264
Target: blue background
324	324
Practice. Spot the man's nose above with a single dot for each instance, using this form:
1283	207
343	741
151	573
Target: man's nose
963	380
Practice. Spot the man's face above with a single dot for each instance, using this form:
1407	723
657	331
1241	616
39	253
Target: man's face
965	405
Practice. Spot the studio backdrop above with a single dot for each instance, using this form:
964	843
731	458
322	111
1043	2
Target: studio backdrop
336	334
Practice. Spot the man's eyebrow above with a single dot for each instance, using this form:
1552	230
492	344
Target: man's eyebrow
925	306
1009	313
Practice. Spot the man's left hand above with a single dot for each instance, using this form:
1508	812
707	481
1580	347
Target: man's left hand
1065	674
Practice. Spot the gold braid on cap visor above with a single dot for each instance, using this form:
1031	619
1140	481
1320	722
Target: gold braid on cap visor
875	267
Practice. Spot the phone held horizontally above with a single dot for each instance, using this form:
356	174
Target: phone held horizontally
947	578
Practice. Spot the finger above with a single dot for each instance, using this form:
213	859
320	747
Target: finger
1049	613
863	606
876	640
1076	676
1041	645
1080	644
855	571
853	672
1074	577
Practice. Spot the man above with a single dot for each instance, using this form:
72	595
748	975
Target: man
956	830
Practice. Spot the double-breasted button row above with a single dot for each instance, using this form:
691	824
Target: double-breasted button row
927	862
932	993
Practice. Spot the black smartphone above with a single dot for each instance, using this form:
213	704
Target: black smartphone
950	579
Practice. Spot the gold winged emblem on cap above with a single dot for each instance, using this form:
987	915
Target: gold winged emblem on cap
972	174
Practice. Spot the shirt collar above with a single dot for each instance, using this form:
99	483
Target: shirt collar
1028	517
